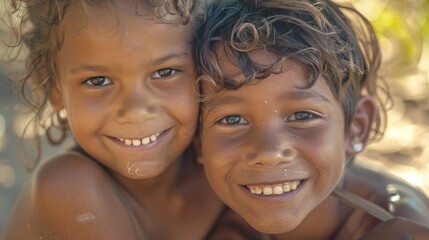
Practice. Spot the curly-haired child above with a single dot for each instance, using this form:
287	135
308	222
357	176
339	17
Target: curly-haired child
291	94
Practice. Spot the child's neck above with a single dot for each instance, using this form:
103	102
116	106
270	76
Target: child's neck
163	187
323	222
172	201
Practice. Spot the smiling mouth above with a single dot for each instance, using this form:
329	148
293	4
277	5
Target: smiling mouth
140	141
275	189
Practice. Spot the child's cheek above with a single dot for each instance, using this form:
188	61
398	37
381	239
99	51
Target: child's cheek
218	146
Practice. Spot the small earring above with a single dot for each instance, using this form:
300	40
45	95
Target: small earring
358	147
62	114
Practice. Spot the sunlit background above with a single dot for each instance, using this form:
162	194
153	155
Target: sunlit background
403	29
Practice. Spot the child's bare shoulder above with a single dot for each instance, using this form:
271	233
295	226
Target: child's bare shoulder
70	172
70	197
388	191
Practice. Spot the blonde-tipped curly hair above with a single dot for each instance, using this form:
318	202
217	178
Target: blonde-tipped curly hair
332	41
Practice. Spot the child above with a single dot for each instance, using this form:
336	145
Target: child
290	96
120	75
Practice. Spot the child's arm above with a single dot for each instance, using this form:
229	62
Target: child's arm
70	197
389	192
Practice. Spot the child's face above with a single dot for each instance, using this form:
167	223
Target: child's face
126	82
273	150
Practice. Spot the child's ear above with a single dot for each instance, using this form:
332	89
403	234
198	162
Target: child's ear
361	125
56	97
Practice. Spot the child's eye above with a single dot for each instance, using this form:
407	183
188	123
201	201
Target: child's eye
98	81
233	120
166	72
300	116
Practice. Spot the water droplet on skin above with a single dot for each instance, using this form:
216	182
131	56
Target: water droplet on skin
85	217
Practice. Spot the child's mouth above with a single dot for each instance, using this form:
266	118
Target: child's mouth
274	189
140	141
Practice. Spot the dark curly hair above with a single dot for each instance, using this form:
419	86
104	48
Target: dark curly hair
36	26
332	41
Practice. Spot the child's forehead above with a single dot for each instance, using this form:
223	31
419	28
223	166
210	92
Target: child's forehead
288	87
290	75
80	11
108	20
231	69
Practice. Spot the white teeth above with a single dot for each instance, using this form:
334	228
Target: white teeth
267	190
146	140
136	142
276	189
139	142
153	138
286	188
293	185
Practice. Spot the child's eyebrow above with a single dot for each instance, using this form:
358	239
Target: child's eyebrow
222	101
296	96
170	57
304	95
101	68
88	68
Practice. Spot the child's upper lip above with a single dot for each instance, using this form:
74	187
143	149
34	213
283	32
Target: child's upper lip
270	183
139	134
157	134
271	176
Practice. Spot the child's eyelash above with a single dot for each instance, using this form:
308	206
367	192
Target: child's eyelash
165	73
231	120
301	116
98	81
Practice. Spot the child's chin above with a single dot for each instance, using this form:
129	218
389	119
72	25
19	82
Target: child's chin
274	227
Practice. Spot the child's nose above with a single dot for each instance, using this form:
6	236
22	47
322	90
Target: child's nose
135	105
271	157
272	146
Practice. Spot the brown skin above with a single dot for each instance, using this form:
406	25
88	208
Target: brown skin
275	132
121	76
399	229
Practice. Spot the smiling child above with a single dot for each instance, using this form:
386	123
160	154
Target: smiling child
290	95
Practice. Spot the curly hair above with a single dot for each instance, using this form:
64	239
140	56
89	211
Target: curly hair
36	24
333	42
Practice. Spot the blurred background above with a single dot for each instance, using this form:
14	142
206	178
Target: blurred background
403	30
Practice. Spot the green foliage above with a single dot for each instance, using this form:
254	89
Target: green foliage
403	29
